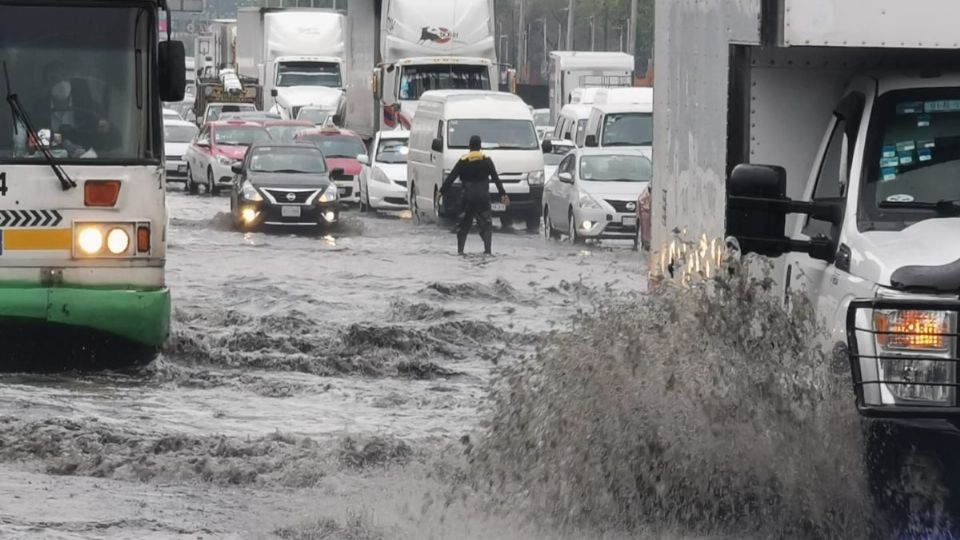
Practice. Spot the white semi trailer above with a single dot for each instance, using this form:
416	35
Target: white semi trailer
429	45
825	135
572	72
299	55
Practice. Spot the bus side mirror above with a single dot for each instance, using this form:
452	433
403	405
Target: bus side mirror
437	145
173	70
591	141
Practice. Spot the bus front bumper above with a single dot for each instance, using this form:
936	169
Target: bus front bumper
139	316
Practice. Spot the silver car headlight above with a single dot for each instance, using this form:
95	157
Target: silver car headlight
378	175
535	178
904	338
225	161
589	203
331	194
250	193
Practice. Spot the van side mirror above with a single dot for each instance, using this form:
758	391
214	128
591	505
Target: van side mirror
173	70
437	145
591	141
757	208
273	92
546	146
237	168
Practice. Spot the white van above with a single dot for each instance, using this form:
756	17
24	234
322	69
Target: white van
626	125
442	127
572	122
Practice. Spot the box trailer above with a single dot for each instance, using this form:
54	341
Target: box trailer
572	72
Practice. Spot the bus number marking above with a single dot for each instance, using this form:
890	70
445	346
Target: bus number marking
3	184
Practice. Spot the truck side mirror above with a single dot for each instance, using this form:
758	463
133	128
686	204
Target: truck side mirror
173	70
437	145
273	92
591	141
757	228
546	146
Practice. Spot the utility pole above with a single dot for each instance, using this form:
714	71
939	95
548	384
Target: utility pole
522	44
632	29
593	33
570	26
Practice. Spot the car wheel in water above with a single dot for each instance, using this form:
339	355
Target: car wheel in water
192	187
210	189
414	208
574	239
549	230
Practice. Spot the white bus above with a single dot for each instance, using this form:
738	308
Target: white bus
82	184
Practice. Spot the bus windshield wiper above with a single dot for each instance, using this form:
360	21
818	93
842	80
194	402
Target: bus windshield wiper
942	207
20	115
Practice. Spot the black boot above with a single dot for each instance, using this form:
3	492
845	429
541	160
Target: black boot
461	242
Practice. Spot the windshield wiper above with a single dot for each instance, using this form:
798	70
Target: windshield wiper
19	114
942	207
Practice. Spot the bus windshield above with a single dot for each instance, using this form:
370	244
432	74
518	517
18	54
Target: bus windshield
82	76
415	80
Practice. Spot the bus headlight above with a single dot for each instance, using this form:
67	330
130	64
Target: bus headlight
90	240
904	339
118	241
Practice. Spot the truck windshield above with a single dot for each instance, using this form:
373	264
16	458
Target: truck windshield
913	157
309	74
495	134
627	129
82	77
415	80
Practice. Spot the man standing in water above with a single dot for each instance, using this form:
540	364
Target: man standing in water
475	171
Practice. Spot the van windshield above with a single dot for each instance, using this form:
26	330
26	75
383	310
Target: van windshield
495	134
913	157
627	129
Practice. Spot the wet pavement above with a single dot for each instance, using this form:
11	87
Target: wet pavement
310	387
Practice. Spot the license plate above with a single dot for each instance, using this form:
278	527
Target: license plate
630	221
290	211
498	207
182	169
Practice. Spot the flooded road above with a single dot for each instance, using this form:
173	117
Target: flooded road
309	379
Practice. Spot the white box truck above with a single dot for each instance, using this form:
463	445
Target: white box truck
580	70
825	135
299	55
429	45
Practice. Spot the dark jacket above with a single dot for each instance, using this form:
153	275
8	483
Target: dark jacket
86	115
476	171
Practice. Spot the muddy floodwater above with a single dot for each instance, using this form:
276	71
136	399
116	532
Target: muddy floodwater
309	389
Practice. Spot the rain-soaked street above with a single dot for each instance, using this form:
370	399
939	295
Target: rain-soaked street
308	380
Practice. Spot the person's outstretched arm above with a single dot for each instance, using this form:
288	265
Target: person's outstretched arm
451	178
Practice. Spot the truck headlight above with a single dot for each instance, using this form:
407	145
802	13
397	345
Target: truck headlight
535	178
904	339
250	193
331	194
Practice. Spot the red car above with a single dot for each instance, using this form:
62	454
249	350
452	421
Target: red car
643	218
340	147
285	130
217	147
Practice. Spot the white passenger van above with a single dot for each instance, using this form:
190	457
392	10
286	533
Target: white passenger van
441	130
572	122
627	125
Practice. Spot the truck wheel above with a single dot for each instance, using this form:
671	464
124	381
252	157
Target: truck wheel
192	187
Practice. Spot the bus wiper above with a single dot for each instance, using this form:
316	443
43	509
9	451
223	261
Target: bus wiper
19	114
942	207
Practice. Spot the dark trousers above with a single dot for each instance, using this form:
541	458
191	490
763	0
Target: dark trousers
475	209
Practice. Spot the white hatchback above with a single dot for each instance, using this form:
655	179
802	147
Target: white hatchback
383	178
594	194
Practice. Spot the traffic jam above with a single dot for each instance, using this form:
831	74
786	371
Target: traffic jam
391	269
